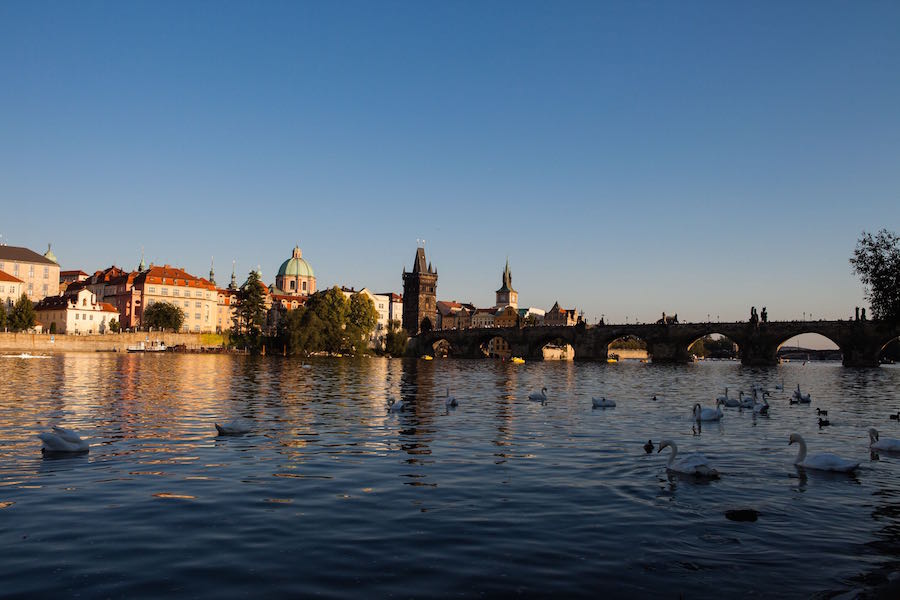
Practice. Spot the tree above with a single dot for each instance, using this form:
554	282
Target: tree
163	315
251	310
330	309
876	260
361	321
22	315
2	314
114	326
395	340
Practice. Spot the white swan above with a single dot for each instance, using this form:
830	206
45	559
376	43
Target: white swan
762	408
692	464
821	462
235	427
449	400
395	405
886	444
602	403
799	396
62	440
728	400
708	414
779	387
539	396
748	401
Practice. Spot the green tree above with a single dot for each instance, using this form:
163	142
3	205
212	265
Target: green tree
876	260
163	315
395	340
22	315
361	321
250	315
330	309
2	314
114	326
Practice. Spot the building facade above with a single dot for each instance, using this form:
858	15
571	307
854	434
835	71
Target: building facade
39	274
561	316
10	289
295	276
420	296
197	297
76	313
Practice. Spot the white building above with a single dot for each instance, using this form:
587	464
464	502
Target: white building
77	313
10	289
382	304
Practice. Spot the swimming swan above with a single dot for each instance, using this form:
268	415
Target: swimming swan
692	464
62	440
602	403
728	401
708	414
821	462
450	400
539	396
235	427
747	401
887	444
800	397
395	405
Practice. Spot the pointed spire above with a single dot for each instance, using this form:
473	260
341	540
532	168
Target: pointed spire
212	272
141	266
233	285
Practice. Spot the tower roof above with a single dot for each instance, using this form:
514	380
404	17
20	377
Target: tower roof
507	280
296	266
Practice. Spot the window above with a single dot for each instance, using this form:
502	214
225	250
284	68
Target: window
304	286
16	269
198	294
197	304
46	272
164	291
152	290
46	290
31	270
197	316
76	316
30	288
1	289
187	303
293	285
176	292
92	317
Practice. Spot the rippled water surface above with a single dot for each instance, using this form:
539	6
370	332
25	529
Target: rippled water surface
331	495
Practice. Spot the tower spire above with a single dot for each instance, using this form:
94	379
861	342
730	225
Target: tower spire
212	272
233	285
141	266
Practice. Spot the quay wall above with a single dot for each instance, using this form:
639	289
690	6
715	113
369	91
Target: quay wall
110	342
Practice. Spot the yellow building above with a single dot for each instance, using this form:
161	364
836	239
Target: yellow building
10	289
39	274
195	296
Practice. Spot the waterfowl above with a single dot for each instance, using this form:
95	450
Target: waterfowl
692	464
779	387
449	400
726	400
648	447
822	462
603	403
762	408
235	427
887	444
539	396
708	414
895	417
821	413
395	405
800	396
748	401
824	422
62	440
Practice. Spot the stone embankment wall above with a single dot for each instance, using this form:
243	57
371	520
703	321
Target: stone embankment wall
111	342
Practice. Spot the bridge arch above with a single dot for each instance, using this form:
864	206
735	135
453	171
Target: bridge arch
804	349
714	345
628	346
890	350
552	345
494	345
441	347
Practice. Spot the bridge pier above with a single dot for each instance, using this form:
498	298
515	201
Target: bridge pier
668	351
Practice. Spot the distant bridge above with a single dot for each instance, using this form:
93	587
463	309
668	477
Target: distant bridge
860	342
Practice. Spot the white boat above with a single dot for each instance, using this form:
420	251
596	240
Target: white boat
154	346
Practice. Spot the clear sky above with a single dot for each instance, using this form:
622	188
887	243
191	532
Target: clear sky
629	158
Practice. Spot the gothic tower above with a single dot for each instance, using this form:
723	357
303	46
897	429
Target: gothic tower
419	296
506	295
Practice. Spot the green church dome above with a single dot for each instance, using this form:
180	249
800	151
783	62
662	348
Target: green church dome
296	266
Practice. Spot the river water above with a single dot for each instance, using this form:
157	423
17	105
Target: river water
330	495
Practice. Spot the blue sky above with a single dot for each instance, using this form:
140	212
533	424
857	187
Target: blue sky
629	158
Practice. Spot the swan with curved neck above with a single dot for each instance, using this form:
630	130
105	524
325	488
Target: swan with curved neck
692	464
824	461
708	414
886	444
450	401
539	396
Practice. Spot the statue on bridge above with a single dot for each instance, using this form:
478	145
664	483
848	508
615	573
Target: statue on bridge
764	316
862	316
754	318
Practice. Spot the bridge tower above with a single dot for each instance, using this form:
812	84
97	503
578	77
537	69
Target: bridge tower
506	295
420	296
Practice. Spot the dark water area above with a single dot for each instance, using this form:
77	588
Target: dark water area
332	496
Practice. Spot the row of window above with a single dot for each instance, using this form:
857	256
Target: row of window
176	292
30	270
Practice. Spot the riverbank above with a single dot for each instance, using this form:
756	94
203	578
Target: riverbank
110	342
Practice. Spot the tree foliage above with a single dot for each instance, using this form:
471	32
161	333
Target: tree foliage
22	316
396	339
708	346
114	326
2	314
361	321
876	260
329	322
163	315
250	315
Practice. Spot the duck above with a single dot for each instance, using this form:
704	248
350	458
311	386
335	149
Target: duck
824	422
895	417
648	447
63	440
654	398
235	427
692	464
821	462
821	413
708	414
800	396
539	396
449	400
395	405
602	403
887	444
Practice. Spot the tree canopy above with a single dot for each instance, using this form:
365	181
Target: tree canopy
396	339
163	315
250	315
876	260
2	314
329	322
22	316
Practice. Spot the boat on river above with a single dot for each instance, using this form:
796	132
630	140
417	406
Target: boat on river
154	346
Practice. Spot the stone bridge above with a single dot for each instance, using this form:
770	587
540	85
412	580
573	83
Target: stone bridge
860	342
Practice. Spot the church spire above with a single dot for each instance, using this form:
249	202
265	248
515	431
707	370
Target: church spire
212	272
141	266
233	285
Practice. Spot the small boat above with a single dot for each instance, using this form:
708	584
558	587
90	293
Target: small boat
427	357
518	360
154	346
612	358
